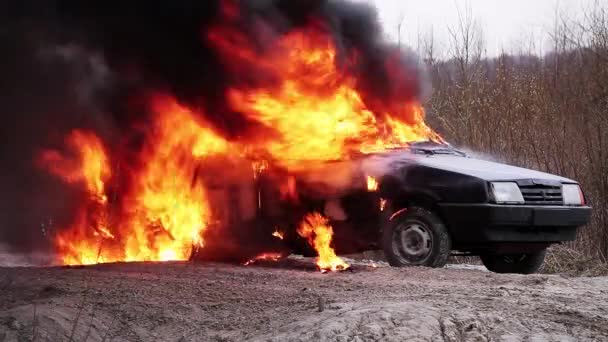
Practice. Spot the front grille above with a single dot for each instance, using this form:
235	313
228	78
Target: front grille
542	194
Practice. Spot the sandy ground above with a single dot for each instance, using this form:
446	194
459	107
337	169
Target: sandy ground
291	301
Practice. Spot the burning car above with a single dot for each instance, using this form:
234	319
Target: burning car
420	204
271	127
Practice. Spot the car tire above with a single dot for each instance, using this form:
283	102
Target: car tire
523	263
416	237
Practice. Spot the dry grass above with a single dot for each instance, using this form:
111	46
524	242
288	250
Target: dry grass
566	260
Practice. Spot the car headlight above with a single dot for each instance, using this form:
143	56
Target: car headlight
572	194
506	192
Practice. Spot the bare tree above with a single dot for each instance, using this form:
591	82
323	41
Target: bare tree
548	112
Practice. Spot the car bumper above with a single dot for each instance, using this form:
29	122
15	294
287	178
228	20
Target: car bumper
513	223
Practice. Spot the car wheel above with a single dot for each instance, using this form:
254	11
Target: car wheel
416	237
523	263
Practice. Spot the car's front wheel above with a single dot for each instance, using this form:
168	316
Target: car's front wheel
416	237
522	263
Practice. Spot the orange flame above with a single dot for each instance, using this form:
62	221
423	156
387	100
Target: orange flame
85	163
165	213
316	230
164	195
316	110
89	163
372	184
258	166
265	257
278	234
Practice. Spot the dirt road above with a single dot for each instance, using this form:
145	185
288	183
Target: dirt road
290	301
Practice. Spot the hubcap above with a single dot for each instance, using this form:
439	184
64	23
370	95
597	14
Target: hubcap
412	242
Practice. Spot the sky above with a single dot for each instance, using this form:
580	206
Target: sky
506	24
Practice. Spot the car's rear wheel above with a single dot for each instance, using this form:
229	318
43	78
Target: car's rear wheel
416	237
522	263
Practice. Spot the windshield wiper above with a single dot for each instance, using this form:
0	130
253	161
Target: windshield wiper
428	151
432	151
450	151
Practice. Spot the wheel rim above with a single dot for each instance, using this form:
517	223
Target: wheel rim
412	242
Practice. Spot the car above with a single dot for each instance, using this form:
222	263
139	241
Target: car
419	205
507	215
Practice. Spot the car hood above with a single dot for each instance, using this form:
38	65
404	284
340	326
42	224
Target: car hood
483	169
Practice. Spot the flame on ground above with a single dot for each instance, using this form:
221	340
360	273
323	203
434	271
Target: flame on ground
84	163
162	216
316	230
265	257
167	209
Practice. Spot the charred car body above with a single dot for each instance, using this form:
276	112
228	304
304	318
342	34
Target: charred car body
420	205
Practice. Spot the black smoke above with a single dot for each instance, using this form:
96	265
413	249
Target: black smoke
86	64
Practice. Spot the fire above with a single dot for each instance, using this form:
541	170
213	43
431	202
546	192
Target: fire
258	166
87	163
278	234
316	230
289	190
104	232
152	202
166	194
165	212
265	257
372	184
315	109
